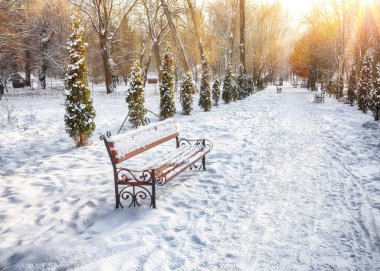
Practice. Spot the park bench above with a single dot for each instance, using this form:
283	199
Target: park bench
279	89
135	186
319	97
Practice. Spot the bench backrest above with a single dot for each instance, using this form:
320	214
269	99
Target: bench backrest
127	145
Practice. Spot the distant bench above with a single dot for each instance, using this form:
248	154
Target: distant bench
279	88
134	186
319	97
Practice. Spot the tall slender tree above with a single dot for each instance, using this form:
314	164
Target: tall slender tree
365	83
228	85
135	97
352	86
187	94
80	113
205	94
167	106
216	92
374	103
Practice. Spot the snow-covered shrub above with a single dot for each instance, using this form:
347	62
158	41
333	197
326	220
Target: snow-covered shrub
167	106
7	115
250	85
374	102
135	97
80	113
241	84
352	86
216	92
365	82
228	86
205	93
187	90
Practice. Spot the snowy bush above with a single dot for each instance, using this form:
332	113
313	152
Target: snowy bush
80	113
7	115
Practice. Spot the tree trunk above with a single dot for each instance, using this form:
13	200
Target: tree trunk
106	57
242	33
196	28
182	55
28	61
157	59
232	35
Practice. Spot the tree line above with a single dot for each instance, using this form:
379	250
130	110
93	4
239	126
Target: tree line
33	36
340	49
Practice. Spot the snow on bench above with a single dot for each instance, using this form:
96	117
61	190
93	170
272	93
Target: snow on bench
130	184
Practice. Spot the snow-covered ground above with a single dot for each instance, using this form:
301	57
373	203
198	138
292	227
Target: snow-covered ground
290	185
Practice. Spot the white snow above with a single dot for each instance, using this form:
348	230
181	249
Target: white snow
142	137
289	185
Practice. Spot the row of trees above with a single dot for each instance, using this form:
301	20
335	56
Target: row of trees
119	32
366	92
80	113
339	39
232	90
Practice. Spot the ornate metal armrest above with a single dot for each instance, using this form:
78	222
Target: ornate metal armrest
184	141
134	177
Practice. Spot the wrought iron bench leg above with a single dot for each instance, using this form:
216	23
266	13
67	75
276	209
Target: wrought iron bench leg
204	157
117	194
153	198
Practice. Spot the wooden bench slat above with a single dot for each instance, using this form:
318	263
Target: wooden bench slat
145	148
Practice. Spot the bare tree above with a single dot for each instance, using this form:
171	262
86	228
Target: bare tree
242	33
106	18
173	28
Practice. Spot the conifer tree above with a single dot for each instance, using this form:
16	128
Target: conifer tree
205	93
352	86
135	97
374	103
365	83
167	106
241	85
340	88
216	92
250	85
187	94
228	88
80	113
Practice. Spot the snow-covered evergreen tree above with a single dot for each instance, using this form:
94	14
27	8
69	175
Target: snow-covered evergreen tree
187	90
80	113
216	92
241	85
374	102
205	93
340	88
167	106
250	85
235	91
135	97
228	86
365	83
352	86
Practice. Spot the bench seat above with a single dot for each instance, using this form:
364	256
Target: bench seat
158	171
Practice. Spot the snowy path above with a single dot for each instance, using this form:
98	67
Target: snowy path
290	185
